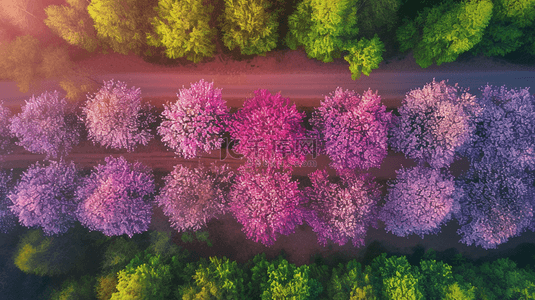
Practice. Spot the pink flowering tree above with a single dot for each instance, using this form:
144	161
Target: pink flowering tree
44	127
496	204
8	220
268	129
116	198
419	201
505	132
435	121
5	133
343	210
353	129
196	121
192	197
45	197
116	118
266	203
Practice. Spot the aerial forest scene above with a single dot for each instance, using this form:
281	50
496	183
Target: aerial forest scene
267	149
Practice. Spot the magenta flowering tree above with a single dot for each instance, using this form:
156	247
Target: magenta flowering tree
5	133
505	132
353	129
43	126
266	203
343	210
435	121
8	220
116	198
192	197
195	121
419	201
45	197
268	130
496	204
116	118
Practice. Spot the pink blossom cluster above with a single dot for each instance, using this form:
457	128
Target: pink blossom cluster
267	129
8	220
505	132
419	201
343	210
192	197
353	129
496	204
116	118
45	197
116	198
42	126
435	121
5	133
195	121
266	203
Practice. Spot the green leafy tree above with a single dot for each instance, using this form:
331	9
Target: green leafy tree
49	255
377	16
119	23
395	278
250	26
119	253
364	55
217	279
350	281
509	27
106	285
73	23
437	282
441	33
182	27
145	277
71	289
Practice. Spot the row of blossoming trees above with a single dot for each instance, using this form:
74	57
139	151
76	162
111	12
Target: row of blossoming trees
436	124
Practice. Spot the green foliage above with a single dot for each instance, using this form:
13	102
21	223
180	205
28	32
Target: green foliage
18	61
161	244
201	236
323	27
73	23
182	27
396	278
349	281
249	25
119	253
509	27
119	23
145	277
364	56
377	16
48	256
106	285
71	289
445	31
500	279
286	281
258	276
437	282
218	279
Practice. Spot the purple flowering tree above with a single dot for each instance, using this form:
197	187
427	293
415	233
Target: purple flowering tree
268	129
192	197
116	198
496	204
353	129
343	210
116	118
266	203
505	132
195	121
5	133
43	126
419	201
434	122
45	197
8	220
